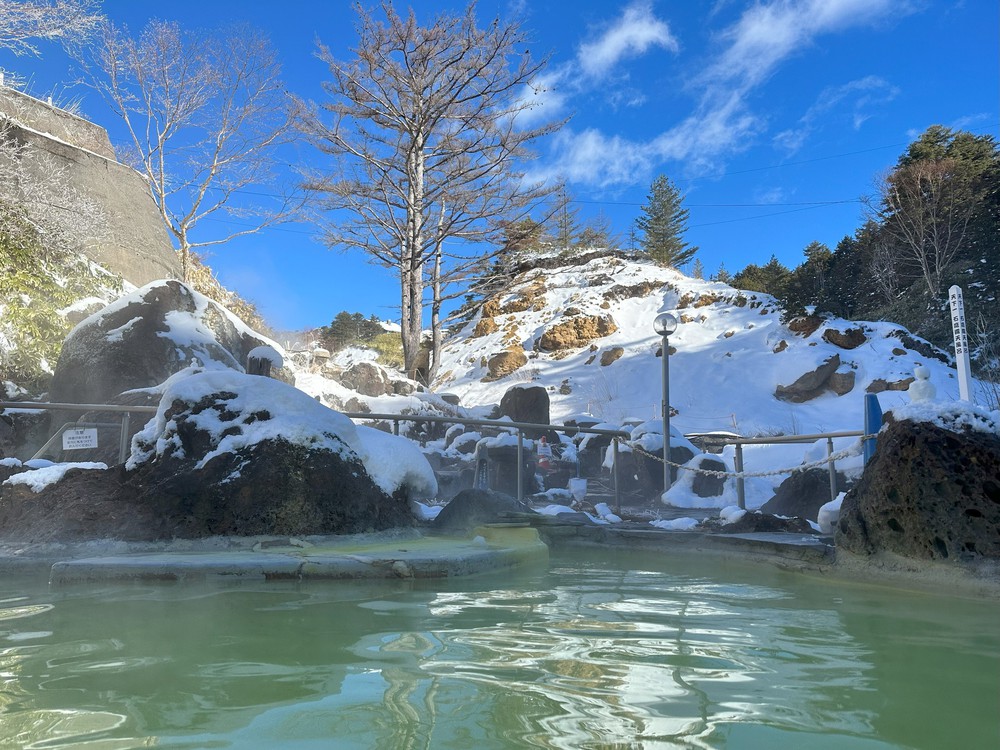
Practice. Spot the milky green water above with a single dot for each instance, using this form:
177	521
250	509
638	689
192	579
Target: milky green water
610	651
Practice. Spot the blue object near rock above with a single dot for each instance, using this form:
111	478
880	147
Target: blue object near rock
873	423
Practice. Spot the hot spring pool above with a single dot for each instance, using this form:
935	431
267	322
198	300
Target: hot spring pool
610	651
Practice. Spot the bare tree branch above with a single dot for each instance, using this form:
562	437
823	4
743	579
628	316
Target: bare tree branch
926	207
23	22
205	115
423	128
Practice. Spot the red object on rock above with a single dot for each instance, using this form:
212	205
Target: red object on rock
544	451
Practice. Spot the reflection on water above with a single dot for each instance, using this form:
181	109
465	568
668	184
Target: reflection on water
626	653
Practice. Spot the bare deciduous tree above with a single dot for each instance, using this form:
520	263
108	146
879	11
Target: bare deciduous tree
926	206
426	139
205	115
23	22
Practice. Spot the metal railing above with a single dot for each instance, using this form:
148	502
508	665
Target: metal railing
504	425
739	442
125	411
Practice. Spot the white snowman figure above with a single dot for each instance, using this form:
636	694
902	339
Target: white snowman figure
921	389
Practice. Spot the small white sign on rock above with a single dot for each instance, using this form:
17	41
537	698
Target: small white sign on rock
77	439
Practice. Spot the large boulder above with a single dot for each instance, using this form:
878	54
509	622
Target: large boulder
235	454
932	489
471	508
145	337
852	338
232	454
803	493
367	378
809	385
526	403
504	363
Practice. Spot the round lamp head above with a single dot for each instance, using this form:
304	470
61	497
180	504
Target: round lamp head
665	324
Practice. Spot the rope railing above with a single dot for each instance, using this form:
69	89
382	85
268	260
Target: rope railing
854	450
520	427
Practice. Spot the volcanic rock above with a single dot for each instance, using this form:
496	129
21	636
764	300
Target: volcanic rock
803	493
471	508
526	403
367	378
928	493
144	338
879	385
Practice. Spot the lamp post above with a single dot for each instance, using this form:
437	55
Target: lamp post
665	324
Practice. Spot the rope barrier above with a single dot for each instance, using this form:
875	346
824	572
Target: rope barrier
854	450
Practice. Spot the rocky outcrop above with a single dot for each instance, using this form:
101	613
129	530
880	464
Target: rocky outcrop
144	338
503	364
576	332
608	356
643	289
367	378
805	325
810	385
841	382
928	493
880	384
852	338
758	522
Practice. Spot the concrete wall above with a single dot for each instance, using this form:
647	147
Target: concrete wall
43	117
137	245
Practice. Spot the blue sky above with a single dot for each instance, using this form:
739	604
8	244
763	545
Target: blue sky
773	117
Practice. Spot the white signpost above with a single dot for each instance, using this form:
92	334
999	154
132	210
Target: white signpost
76	439
961	342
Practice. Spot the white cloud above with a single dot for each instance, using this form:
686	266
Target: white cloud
544	99
771	195
593	158
636	31
860	96
768	33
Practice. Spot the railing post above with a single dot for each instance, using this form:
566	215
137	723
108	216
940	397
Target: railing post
123	441
520	464
395	427
741	494
614	468
831	468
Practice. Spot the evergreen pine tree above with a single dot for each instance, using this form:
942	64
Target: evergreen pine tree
663	224
722	275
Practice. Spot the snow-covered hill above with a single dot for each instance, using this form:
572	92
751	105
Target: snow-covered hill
729	354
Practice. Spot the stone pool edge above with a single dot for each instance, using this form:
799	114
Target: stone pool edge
329	557
798	553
